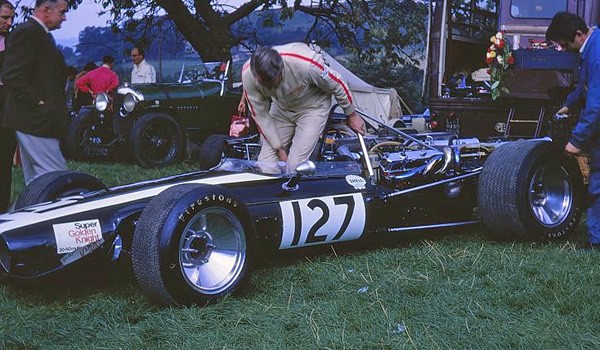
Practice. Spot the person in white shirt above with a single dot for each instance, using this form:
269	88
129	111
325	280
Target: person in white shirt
142	72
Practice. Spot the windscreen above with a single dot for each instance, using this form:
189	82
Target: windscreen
536	8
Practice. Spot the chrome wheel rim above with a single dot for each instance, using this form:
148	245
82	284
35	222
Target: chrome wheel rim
551	195
212	250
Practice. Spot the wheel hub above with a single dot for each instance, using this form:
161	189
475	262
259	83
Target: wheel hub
198	248
550	195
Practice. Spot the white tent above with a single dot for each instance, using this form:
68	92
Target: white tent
379	103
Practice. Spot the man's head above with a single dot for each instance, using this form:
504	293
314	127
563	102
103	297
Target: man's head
71	72
7	15
567	30
137	55
108	61
51	12
267	66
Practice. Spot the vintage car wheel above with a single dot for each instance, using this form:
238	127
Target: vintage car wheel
192	245
530	190
156	140
211	151
81	130
55	184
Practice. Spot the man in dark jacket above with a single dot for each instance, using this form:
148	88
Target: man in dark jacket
7	136
572	34
34	72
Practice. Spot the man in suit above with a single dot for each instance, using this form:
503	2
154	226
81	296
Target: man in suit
34	73
7	136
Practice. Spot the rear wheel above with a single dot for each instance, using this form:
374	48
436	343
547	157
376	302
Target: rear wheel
53	185
83	133
530	190
156	140
211	151
192	245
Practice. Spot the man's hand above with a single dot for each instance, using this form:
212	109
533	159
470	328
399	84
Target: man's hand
563	110
356	123
282	155
242	106
569	148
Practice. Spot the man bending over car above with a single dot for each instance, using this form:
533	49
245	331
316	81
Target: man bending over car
289	89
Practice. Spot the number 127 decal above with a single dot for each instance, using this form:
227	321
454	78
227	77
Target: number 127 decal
321	220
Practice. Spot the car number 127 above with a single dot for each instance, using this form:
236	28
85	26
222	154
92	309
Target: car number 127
322	220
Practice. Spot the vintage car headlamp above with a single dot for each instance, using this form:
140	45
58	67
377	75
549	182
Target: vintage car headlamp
101	102
129	102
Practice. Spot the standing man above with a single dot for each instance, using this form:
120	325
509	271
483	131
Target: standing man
7	136
101	79
34	73
143	72
572	34
289	90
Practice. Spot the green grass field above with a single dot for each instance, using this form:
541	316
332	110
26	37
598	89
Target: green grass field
444	290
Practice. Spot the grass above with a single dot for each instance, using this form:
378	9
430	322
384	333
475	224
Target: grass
438	291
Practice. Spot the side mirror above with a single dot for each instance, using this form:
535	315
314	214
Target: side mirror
303	169
306	168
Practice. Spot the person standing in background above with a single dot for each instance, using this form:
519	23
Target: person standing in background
34	72
142	72
70	87
8	142
101	79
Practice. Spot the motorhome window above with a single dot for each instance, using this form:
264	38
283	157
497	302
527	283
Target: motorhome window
473	20
536	8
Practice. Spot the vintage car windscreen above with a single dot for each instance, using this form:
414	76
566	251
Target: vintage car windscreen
337	168
536	8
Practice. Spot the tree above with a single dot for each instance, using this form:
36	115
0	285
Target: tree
213	28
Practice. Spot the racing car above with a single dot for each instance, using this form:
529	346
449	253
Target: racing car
195	237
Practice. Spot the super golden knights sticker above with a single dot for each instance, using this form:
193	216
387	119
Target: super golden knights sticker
72	235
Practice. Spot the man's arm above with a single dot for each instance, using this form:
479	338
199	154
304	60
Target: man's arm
589	121
114	82
83	83
259	107
152	74
575	98
332	82
19	58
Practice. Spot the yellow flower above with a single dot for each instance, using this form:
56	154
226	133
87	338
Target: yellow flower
492	54
493	39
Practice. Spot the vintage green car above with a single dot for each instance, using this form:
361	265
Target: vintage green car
155	124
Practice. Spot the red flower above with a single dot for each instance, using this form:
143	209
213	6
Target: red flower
489	71
489	60
501	44
511	60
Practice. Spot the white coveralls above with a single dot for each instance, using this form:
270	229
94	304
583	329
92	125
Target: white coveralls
298	113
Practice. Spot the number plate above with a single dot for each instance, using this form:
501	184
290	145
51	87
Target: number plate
322	220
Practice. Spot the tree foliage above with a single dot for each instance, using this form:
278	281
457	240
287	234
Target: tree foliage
368	28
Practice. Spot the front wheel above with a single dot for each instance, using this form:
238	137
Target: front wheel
530	190
192	245
156	140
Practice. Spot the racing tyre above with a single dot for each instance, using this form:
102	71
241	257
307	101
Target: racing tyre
211	151
156	140
530	190
55	184
192	245
81	130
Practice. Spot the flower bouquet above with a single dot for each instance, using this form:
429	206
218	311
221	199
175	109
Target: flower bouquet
499	59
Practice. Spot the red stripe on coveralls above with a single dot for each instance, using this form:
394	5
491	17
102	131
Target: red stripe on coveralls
333	77
254	116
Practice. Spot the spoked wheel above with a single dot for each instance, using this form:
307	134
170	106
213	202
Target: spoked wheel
193	244
156	140
212	250
551	194
530	190
83	135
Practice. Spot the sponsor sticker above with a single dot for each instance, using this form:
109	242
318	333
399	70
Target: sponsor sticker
73	235
356	181
81	252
